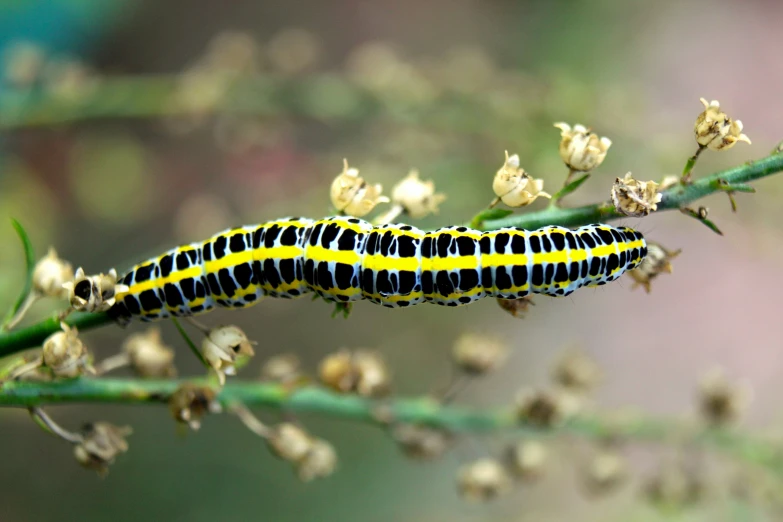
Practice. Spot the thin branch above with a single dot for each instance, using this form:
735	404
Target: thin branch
422	410
675	198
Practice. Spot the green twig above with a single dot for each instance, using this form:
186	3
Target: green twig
190	343
410	410
701	216
568	188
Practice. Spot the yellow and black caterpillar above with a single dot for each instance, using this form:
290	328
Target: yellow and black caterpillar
345	259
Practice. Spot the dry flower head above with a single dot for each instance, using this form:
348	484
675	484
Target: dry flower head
635	198
514	187
527	459
420	442
50	274
715	130
352	195
190	402
657	262
576	371
361	372
65	354
417	197
224	347
477	354
721	401
94	293
580	149
101	443
148	355
516	307
482	480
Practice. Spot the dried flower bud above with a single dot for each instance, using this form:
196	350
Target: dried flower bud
720	401
580	149
65	354
576	372
527	459
417	197
541	408
361	372
149	356
311	457
101	443
420	442
635	198
482	480
605	471
352	195
283	368
514	186
95	293
290	442
50	274
658	261
224	347
516	307
293	50
715	130
478	354
675	485
319	462
190	402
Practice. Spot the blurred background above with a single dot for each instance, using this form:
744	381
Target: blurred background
129	127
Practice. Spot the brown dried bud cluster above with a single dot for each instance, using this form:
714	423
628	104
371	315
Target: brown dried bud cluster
224	348
635	198
721	402
312	457
658	261
65	354
95	293
283	369
715	130
483	480
675	486
190	402
420	442
514	186
543	408
352	195
101	443
50	274
417	197
527	459
361	372
516	307
149	356
580	149
478	354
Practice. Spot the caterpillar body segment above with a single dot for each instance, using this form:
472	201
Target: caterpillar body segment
346	259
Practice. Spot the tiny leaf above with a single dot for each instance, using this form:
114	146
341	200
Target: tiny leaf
29	256
488	214
563	192
189	342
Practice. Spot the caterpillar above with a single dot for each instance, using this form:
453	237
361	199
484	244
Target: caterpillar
345	259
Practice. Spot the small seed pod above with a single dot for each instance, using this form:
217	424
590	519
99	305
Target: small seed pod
351	195
658	261
604	472
224	347
527	459
576	372
721	402
675	486
420	442
189	403
148	356
50	274
290	442
715	130
319	462
635	198
283	368
96	293
101	443
514	187
65	354
479	354
580	149
362	372
417	197
542	408
516	307
482	480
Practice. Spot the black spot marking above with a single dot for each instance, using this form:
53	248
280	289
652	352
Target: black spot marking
347	240
501	240
605	236
166	265
406	246
519	273
612	263
188	287
468	279
466	246
237	243
558	240
144	272
288	237
287	270
537	276
227	282
535	244
342	275
561	273
173	297
502	279
219	247
183	262
518	244
243	274
149	300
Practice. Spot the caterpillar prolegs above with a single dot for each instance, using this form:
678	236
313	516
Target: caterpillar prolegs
345	259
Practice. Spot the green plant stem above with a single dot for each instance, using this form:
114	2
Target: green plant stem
423	410
675	198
